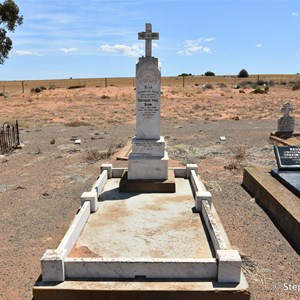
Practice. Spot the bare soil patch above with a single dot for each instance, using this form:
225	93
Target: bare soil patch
41	184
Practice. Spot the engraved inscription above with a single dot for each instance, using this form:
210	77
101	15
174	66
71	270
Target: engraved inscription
288	157
148	93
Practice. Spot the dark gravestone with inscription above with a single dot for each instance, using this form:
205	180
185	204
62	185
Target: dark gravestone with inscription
287	157
288	172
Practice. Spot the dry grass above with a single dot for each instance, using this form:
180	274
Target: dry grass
221	81
76	124
95	155
237	161
108	106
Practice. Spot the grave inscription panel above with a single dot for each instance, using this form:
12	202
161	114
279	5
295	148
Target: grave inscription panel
288	162
287	157
148	101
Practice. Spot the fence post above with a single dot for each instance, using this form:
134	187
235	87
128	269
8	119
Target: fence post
18	137
23	86
105	82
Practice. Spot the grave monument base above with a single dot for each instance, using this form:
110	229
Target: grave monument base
148	186
279	202
283	135
141	289
143	167
293	140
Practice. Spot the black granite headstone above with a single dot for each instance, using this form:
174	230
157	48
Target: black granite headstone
288	162
287	157
290	179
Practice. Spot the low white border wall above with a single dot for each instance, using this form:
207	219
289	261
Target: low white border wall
93	268
52	262
75	229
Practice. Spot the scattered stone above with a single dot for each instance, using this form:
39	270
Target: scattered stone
3	159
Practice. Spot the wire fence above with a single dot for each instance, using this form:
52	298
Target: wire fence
26	86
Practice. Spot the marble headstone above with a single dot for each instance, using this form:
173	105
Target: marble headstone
148	160
148	100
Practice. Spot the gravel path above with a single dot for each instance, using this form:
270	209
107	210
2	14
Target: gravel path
41	184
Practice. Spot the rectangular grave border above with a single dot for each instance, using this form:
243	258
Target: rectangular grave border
225	267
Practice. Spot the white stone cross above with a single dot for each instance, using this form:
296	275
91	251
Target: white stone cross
148	36
286	108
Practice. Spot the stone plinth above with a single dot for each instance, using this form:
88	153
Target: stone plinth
148	167
148	186
148	147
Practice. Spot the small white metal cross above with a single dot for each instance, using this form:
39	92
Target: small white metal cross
286	108
148	36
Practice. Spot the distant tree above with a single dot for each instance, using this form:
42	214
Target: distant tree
209	73
9	20
243	74
185	74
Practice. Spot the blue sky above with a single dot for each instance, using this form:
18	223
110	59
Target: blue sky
98	38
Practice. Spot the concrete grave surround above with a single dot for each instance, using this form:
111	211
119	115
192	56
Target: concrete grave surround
206	255
281	205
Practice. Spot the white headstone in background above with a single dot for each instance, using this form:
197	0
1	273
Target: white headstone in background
286	124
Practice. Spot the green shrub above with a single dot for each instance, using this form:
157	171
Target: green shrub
243	74
208	86
261	82
38	89
296	86
258	91
209	73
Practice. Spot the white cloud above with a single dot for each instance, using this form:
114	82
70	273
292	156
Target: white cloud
26	52
295	13
258	45
196	46
133	51
68	50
